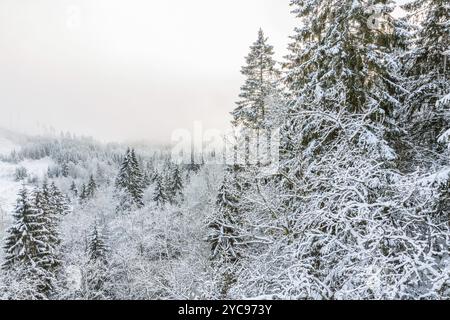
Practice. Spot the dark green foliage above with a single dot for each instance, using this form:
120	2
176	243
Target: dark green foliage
224	229
260	84
428	73
160	196
74	189
65	169
130	180
91	188
97	271
21	244
442	206
98	249
32	244
83	193
173	184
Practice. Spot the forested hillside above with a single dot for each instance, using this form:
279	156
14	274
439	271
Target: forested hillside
359	207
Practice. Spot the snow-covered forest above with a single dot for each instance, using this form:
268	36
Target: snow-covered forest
359	207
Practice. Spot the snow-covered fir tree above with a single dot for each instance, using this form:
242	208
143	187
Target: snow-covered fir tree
124	177
338	177
226	236
160	197
255	111
98	249
428	73
58	201
224	230
261	85
130	180
97	276
21	244
83	193
50	204
74	189
32	244
65	169
91	187
174	184
137	185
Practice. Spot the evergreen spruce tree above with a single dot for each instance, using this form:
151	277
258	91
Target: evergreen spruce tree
257	110
91	188
260	85
65	169
74	189
22	249
226	236
130	180
173	184
32	244
97	275
428	73
224	232
83	193
137	184
123	179
442	206
363	83
21	244
58	201
98	249
49	207
177	185
160	196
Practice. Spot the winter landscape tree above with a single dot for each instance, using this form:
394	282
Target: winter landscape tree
358	208
160	197
32	243
427	72
96	277
130	180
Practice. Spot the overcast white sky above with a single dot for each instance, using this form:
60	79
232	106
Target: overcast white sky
129	69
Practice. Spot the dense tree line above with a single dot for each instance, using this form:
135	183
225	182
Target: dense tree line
355	210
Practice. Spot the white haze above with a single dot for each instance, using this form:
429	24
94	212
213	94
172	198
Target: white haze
136	69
